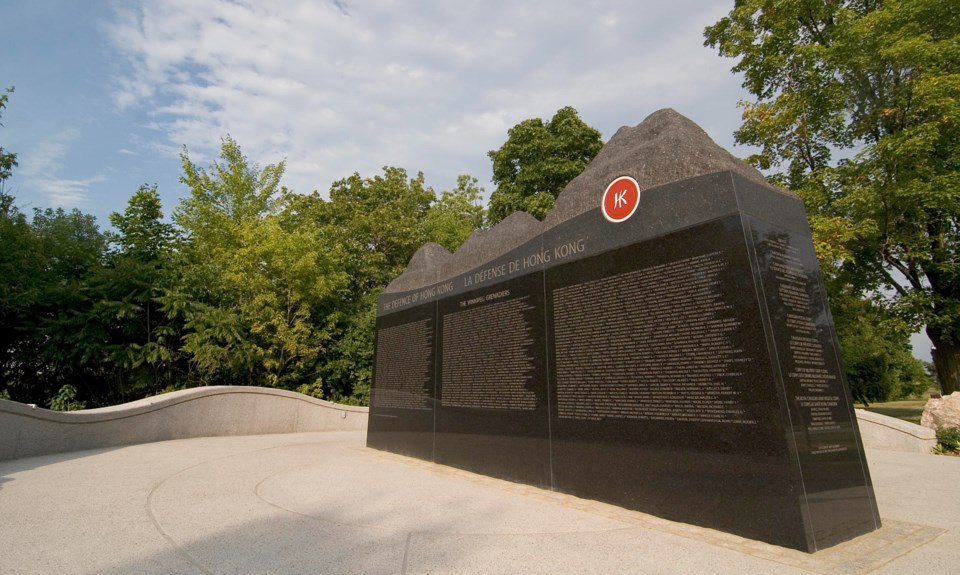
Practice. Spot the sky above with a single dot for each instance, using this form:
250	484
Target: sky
108	92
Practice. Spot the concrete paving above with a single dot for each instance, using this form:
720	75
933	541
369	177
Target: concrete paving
324	503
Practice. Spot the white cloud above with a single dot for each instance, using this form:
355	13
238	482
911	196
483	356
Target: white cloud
341	87
40	167
67	193
47	156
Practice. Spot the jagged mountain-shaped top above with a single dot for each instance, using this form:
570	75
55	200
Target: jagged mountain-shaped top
664	148
422	269
433	263
484	245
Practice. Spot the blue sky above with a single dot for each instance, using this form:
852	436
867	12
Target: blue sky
75	146
108	91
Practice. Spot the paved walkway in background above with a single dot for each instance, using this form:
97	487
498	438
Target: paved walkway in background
323	503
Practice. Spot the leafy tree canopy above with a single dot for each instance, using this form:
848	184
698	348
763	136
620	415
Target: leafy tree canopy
538	159
141	231
380	222
230	192
456	214
876	84
8	160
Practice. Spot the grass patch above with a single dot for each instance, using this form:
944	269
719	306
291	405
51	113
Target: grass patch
907	410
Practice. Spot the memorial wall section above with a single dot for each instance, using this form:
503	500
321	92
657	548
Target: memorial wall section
681	362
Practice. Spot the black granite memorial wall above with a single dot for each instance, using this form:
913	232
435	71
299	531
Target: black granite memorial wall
681	362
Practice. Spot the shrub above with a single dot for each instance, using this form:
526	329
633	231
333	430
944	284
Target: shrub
66	400
948	440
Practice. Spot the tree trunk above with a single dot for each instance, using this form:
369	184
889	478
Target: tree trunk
946	358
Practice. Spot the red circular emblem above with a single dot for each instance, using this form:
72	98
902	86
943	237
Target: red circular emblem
620	199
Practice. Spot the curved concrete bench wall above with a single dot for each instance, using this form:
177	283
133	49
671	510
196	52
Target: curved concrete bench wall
237	410
891	434
199	412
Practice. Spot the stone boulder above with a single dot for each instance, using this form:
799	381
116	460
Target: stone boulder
943	411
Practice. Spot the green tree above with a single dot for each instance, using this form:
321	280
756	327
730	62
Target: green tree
288	279
20	268
225	200
21	280
56	344
231	194
379	222
142	344
232	191
455	214
65	400
538	159
348	366
883	80
141	232
259	279
8	160
876	350
45	266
